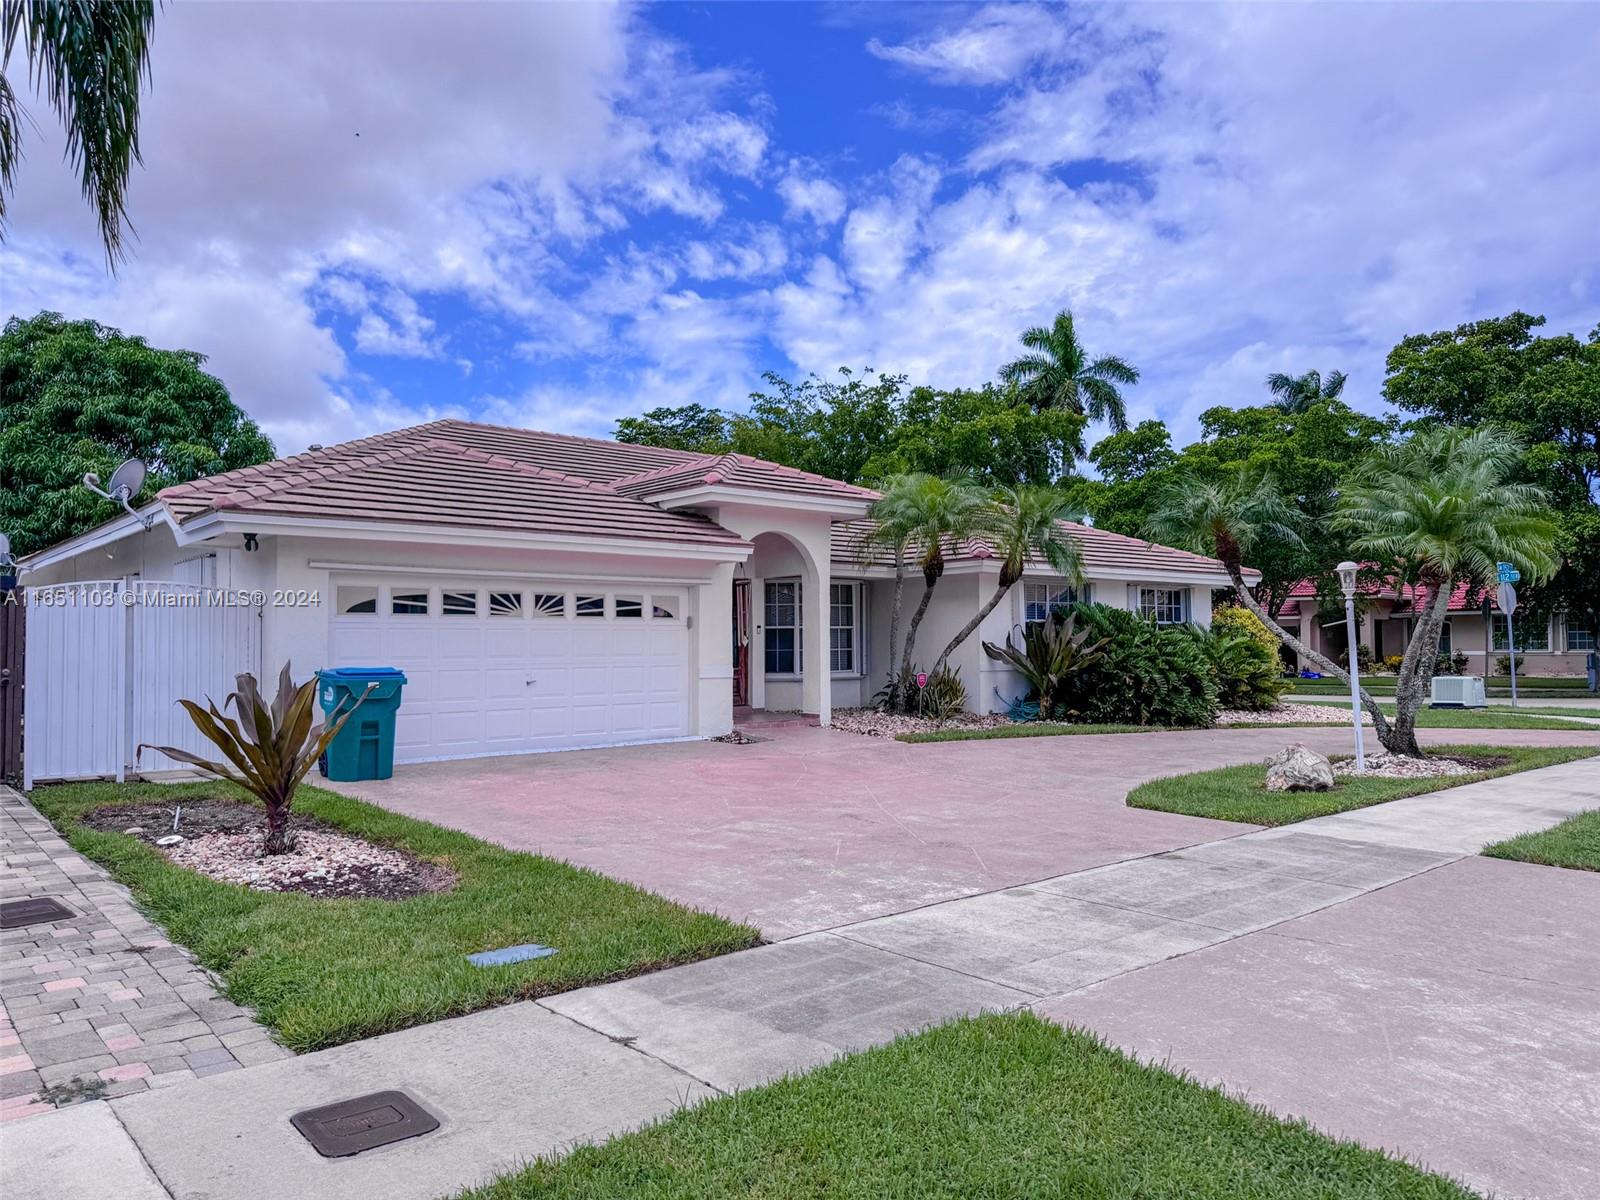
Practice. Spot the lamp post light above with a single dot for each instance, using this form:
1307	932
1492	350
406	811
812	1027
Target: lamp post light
1347	584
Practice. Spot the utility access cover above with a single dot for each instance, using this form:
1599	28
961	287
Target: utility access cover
365	1123
34	911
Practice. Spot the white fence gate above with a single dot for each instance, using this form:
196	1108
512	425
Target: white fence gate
108	661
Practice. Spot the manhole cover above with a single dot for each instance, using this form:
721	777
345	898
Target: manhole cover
17	913
365	1123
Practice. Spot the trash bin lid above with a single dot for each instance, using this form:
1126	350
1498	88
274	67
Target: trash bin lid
365	672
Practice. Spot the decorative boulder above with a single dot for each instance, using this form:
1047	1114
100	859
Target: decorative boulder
1297	769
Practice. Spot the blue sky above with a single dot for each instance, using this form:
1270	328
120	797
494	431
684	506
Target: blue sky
557	215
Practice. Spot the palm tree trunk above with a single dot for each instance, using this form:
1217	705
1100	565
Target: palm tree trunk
1380	719
277	839
903	701
1416	674
966	630
899	598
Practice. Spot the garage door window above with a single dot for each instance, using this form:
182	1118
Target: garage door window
549	604
630	608
358	601
505	604
664	608
459	604
408	603
591	606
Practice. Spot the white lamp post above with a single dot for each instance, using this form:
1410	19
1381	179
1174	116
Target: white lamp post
1347	583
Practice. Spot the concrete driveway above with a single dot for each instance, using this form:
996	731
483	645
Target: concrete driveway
814	828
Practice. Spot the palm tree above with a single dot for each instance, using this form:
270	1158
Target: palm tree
1442	505
1059	374
920	514
1226	520
1296	393
90	58
1025	524
889	531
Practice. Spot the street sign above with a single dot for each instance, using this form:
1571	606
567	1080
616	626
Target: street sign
1506	573
1506	596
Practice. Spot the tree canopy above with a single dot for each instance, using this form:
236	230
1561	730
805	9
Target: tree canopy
1545	391
77	396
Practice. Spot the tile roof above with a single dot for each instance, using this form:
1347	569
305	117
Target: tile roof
1464	596
491	476
1101	550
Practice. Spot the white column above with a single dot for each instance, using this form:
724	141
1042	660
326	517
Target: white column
816	684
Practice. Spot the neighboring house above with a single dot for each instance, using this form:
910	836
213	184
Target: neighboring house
546	592
1548	646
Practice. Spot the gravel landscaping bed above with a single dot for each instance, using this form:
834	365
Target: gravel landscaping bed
869	722
1394	766
223	841
1290	713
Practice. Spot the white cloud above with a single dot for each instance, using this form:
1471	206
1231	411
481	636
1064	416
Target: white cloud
994	47
806	194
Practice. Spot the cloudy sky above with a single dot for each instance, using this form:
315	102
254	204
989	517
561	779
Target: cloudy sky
369	215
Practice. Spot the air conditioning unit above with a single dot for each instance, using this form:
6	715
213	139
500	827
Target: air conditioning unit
1457	691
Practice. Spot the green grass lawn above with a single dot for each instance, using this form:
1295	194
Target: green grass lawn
322	972
1498	685
988	1107
1240	793
1574	843
1493	717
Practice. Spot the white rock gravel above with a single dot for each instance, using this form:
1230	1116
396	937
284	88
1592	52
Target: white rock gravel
321	859
1291	714
869	722
1396	766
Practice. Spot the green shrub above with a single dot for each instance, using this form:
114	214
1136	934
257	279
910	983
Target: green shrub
1236	618
1051	651
1143	675
1502	665
944	697
1245	672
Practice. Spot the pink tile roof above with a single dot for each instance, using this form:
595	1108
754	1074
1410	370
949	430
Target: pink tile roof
1100	548
737	470
1464	597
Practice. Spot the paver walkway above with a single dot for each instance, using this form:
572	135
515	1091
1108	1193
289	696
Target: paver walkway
535	1078
101	1003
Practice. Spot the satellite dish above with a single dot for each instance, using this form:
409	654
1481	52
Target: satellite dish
126	480
5	548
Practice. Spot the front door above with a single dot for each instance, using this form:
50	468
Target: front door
741	642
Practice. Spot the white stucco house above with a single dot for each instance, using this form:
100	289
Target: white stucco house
546	592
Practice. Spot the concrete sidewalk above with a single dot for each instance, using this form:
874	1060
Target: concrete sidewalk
535	1079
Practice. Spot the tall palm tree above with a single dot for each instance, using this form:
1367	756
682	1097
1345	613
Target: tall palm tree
1025	524
921	514
1226	520
890	529
1059	374
89	58
1443	505
1296	393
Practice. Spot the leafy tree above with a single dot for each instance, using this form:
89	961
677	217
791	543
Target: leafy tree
1546	392
833	428
1058	373
1296	393
1443	503
1024	525
76	396
691	427
983	433
89	58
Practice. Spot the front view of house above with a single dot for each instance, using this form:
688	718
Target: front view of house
547	592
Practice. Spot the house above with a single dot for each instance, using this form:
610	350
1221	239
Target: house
544	592
1550	645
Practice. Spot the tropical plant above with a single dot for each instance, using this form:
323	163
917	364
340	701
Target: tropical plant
1245	671
1143	674
1023	525
90	60
1296	393
923	514
1058	373
1052	651
943	696
1442	504
270	747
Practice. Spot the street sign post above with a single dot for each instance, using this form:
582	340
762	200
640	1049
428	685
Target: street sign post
1506	597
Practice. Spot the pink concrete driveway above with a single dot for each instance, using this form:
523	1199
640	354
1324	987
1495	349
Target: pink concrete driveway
815	828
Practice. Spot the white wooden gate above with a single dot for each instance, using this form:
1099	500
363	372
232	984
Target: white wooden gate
108	661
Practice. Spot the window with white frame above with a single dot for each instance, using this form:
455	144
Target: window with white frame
1531	635
844	628
1042	598
1579	638
1167	606
1444	639
782	626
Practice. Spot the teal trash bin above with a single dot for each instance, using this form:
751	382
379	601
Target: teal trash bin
364	748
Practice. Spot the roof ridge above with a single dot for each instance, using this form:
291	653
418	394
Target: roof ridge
295	462
566	437
281	482
667	469
522	468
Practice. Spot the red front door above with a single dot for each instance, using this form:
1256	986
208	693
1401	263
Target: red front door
741	642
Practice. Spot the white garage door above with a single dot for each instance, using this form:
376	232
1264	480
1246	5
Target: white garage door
505	669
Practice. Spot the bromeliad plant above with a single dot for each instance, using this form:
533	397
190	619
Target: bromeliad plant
271	746
1052	652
